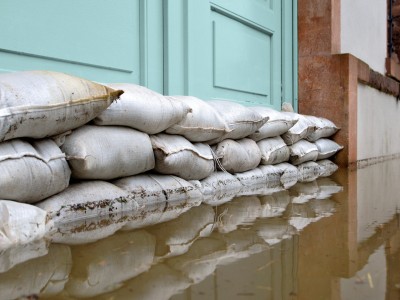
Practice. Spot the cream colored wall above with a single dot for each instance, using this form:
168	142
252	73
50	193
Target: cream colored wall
363	31
378	124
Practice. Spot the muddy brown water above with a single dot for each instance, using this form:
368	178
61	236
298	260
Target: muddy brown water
334	238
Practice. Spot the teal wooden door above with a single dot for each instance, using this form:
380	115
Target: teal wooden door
231	49
103	40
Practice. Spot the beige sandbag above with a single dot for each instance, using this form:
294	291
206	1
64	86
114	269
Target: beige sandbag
308	171
108	152
202	124
323	128
142	109
175	155
103	266
241	120
176	236
326	167
327	148
87	199
38	104
273	151
237	156
21	223
302	151
44	276
30	172
278	123
303	128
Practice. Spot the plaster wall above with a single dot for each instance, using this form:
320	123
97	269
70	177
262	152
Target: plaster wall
363	31
378	133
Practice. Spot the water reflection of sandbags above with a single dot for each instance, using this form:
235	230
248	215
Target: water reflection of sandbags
102	266
220	187
239	211
175	237
22	253
275	204
303	192
327	187
299	215
274	230
44	276
322	208
160	283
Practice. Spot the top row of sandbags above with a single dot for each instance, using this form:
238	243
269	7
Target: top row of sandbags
38	104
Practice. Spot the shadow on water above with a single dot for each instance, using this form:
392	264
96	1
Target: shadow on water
333	238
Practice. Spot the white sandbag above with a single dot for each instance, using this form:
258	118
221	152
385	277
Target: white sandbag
38	104
277	124
308	171
103	266
274	205
30	172
273	151
159	283
202	124
87	199
327	188
175	155
274	230
303	192
238	156
142	109
88	230
240	211
290	174
241	120
323	128
327	148
219	187
21	223
303	128
21	253
176	236
263	180
108	152
326	167
302	151
44	276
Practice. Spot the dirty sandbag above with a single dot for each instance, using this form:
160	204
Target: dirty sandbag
21	223
327	148
201	260
87	199
88	230
263	180
278	123
44	276
108	152
240	211
38	104
161	282
175	155
274	230
176	236
241	120
301	130
142	109
21	253
323	128
275	204
308	171
149	189
219	187
303	192
326	167
273	151
290	174
202	124
237	156
103	266
327	188
302	151
32	171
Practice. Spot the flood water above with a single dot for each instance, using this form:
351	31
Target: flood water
334	238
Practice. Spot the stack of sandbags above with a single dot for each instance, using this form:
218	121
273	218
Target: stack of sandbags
35	106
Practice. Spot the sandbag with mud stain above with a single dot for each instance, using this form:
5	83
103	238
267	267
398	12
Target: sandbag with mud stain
38	104
273	151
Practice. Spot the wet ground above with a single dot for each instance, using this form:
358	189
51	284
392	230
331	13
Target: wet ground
334	238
